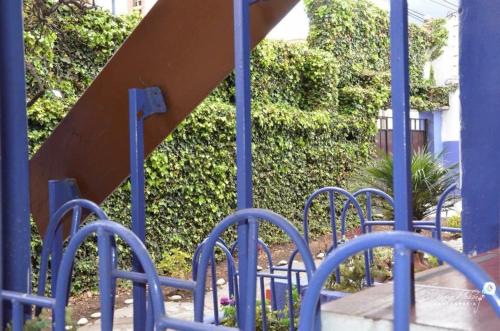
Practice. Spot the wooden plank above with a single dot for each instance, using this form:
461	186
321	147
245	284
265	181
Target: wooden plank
183	46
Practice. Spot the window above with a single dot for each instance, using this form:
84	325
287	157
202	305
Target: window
137	3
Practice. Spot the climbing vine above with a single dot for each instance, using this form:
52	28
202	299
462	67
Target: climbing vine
356	33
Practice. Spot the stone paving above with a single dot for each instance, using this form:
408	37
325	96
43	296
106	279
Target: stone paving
181	310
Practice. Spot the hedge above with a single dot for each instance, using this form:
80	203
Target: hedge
289	73
356	33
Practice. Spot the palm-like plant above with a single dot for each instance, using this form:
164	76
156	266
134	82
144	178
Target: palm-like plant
429	180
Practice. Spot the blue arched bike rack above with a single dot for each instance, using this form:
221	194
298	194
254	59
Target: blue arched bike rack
252	217
50	244
369	193
435	226
231	274
403	243
351	200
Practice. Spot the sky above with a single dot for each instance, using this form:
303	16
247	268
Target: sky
296	24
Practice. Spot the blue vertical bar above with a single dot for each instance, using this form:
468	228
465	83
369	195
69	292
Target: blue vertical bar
402	287
480	103
17	316
333	225
249	304
106	290
60	192
401	114
136	101
1	220
243	138
16	230
400	87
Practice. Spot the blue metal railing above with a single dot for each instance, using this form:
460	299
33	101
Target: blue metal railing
263	275
439	210
403	243
105	230
369	194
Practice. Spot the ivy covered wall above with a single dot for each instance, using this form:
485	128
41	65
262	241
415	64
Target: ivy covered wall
356	32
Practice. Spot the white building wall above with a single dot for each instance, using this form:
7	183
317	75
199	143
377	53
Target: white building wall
147	5
446	73
450	130
446	66
121	6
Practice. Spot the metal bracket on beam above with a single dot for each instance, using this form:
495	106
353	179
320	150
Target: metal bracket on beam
153	102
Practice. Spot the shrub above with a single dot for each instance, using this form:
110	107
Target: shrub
429	180
454	221
290	74
175	263
276	320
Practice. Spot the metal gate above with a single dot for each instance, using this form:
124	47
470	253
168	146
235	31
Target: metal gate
384	137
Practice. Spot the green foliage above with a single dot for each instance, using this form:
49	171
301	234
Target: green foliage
191	177
65	49
352	270
175	263
381	269
43	323
352	273
454	221
290	74
35	324
277	320
437	35
356	32
429	180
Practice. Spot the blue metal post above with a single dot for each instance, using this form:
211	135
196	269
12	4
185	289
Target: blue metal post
402	287
138	213
480	116
142	103
60	192
401	114
16	230
1	221
400	87
243	138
